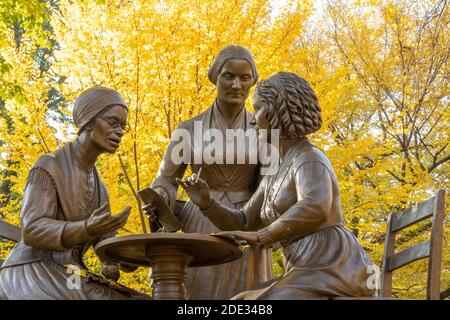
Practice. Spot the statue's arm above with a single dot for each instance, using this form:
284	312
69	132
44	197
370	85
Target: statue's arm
313	184
171	168
247	218
39	224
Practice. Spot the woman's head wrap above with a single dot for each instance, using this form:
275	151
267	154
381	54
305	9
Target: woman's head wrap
228	53
92	101
291	105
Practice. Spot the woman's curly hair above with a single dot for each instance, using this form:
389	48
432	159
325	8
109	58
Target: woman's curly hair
291	105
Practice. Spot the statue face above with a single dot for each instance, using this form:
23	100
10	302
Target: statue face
234	82
108	128
259	118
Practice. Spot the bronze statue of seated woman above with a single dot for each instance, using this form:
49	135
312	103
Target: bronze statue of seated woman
299	206
66	209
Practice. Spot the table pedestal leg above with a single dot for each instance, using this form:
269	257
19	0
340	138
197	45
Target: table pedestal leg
169	264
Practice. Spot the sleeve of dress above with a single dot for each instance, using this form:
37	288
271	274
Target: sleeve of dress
247	218
171	167
39	223
313	186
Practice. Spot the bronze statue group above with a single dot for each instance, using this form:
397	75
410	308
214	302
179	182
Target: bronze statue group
65	207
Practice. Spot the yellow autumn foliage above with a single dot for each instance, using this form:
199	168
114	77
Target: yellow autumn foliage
379	68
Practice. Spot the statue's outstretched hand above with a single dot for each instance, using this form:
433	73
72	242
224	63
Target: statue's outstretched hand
101	221
149	208
250	237
198	191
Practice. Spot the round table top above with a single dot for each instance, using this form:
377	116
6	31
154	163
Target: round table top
205	249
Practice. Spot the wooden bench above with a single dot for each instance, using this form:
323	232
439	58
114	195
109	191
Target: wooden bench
9	232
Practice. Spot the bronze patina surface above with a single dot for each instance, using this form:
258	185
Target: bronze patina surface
66	210
233	72
299	206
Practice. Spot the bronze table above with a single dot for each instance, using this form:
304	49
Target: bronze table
169	254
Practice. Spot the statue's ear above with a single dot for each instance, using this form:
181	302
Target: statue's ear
89	126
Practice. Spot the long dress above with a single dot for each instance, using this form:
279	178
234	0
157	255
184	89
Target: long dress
232	185
300	207
60	195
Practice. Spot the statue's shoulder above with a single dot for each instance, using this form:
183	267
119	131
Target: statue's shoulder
188	124
50	161
46	161
308	152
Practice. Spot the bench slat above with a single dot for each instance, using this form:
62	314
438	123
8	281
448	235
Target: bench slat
403	219
10	232
418	251
445	294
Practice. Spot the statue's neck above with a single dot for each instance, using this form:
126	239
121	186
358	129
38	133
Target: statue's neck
228	111
86	153
288	144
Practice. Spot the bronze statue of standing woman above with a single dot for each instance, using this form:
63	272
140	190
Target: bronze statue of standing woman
233	73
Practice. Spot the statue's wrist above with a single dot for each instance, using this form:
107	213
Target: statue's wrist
209	209
86	228
265	237
207	205
75	232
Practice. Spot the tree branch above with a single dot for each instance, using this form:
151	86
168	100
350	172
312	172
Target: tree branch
136	196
